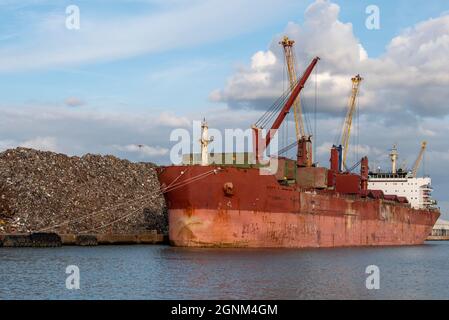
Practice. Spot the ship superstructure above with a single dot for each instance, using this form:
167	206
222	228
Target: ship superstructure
404	183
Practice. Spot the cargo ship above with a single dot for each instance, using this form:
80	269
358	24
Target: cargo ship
248	204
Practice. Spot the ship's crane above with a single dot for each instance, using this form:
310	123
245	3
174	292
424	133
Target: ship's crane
419	159
346	133
261	144
290	60
303	139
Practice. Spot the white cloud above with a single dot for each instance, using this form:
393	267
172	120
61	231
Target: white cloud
7	144
143	150
262	60
38	143
426	132
147	120
362	150
362	54
41	143
256	82
324	149
170	120
411	77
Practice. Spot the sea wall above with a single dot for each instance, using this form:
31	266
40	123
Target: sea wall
30	240
55	240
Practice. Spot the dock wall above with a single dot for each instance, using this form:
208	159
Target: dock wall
438	238
57	240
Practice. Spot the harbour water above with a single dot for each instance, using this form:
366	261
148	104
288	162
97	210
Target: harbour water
163	272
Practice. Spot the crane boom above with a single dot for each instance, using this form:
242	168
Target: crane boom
289	54
346	133
419	159
285	110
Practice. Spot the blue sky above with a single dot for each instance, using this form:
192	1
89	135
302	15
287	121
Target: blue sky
137	69
149	80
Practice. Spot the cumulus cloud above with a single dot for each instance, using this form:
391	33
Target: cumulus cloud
262	60
411	77
257	83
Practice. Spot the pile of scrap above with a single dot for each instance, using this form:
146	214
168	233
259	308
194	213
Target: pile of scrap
46	191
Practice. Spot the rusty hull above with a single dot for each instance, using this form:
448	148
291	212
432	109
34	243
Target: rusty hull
259	212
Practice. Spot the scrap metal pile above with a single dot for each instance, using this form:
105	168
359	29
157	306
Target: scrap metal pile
90	194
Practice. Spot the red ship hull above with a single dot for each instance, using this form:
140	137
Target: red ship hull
238	207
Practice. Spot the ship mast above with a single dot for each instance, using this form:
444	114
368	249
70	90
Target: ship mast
394	158
205	140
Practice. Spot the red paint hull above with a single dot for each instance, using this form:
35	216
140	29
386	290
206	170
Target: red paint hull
261	213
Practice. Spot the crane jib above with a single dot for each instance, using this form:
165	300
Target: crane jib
285	110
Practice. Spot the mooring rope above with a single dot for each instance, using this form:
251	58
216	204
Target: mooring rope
180	185
159	192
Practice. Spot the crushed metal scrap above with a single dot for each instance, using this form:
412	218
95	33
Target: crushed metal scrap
51	191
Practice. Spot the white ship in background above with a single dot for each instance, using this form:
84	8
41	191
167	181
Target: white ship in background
403	183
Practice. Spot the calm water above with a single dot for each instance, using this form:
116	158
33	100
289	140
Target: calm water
161	272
